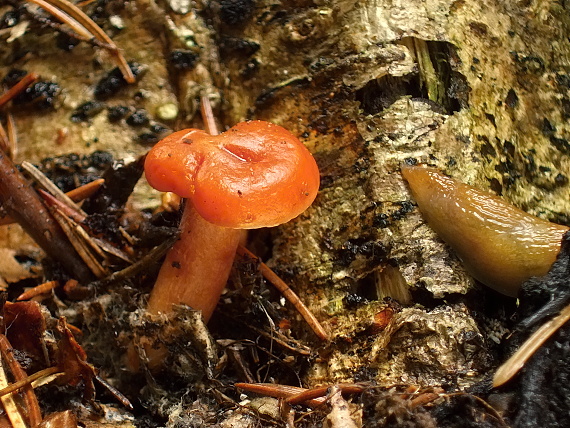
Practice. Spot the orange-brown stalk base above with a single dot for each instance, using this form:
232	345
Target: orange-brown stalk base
197	267
194	273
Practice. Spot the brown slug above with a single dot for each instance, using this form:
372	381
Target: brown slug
499	244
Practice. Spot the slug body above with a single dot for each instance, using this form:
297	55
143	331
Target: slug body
499	244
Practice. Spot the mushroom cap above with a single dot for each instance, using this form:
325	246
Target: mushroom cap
256	174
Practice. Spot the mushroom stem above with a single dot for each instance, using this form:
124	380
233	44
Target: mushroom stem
254	175
197	267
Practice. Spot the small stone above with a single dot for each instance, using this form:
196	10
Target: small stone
167	111
117	22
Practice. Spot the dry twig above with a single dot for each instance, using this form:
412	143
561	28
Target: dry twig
12	136
314	397
529	347
24	82
279	391
208	116
32	407
149	259
5	141
49	185
22	203
85	27
80	30
288	294
80	240
76	195
311	394
35	380
44	288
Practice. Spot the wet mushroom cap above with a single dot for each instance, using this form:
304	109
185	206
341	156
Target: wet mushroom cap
256	174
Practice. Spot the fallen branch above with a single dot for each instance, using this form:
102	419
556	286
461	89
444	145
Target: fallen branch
24	205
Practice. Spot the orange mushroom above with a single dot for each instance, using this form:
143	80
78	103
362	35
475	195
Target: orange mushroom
254	175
